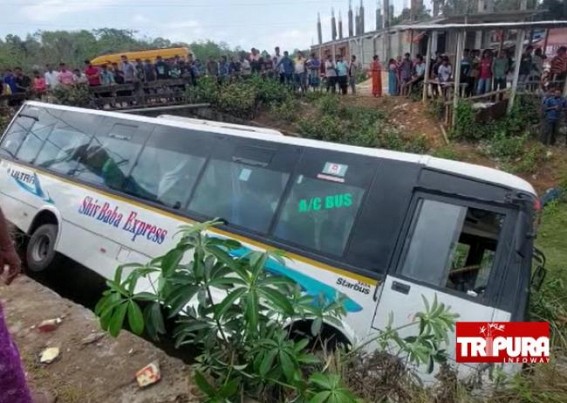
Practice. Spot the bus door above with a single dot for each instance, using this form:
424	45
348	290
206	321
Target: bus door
453	250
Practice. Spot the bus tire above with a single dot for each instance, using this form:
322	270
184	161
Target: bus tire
40	252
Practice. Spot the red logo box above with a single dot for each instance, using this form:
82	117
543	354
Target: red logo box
502	342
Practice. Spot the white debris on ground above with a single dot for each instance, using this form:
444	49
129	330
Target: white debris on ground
77	362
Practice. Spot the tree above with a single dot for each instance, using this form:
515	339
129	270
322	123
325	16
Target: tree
556	9
459	7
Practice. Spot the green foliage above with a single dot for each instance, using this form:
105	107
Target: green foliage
77	95
447	152
5	118
506	147
234	311
436	108
356	125
238	315
329	104
325	127
465	123
240	98
286	111
73	47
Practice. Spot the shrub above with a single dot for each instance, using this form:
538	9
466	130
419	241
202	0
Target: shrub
285	111
329	104
238	315
530	161
6	116
506	147
207	91
326	127
73	96
447	153
416	144
436	108
237	99
465	123
269	91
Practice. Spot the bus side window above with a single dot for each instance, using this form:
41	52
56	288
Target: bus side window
15	135
41	129
168	167
111	154
242	194
319	214
71	135
452	246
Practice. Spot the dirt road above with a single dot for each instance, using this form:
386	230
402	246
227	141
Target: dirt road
102	371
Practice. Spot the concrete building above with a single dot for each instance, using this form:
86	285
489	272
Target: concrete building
390	42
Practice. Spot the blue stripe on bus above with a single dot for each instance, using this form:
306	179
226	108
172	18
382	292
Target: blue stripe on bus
308	284
35	190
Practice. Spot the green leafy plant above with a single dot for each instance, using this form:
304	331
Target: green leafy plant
285	111
233	310
241	319
465	123
76	95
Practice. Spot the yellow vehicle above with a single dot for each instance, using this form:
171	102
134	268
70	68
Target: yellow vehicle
152	54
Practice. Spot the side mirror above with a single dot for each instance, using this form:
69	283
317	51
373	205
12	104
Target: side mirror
521	234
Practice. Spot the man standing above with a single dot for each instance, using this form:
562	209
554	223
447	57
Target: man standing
92	73
51	77
552	108
212	67
500	68
406	68
10	81
353	70
286	68
162	69
314	65
526	65
559	65
342	74
277	65
149	71
106	76
485	74
65	76
128	69
255	60
300	73
331	74
23	82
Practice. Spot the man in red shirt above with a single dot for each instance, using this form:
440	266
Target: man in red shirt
485	74
559	65
92	73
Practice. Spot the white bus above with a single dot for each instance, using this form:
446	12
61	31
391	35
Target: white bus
384	228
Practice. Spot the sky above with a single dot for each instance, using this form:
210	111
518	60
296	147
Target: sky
263	24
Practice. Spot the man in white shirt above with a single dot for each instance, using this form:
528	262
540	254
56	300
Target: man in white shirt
51	77
279	68
331	74
300	76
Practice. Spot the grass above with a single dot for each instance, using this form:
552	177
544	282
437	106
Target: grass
552	239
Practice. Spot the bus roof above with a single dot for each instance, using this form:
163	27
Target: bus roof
213	123
151	54
479	172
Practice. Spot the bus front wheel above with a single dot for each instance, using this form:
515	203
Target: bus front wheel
40	252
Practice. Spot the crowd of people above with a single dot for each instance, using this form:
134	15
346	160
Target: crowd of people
481	73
